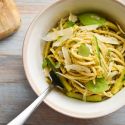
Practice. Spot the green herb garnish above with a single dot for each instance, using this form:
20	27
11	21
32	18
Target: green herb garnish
101	85
69	24
83	50
91	19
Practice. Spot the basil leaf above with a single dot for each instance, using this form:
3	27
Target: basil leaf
69	24
44	64
100	86
83	50
91	18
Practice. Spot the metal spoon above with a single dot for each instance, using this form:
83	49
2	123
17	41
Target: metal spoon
23	116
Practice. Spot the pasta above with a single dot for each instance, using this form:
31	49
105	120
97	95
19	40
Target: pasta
88	53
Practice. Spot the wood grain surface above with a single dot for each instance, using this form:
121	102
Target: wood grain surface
9	18
15	91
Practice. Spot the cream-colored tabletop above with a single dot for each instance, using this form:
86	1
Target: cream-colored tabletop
15	91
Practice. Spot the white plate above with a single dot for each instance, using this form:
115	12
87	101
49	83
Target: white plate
32	56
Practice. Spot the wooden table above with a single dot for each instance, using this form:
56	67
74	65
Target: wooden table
15	91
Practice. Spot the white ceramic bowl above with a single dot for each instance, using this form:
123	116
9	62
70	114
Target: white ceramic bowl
32	56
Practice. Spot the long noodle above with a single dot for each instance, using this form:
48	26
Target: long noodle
107	62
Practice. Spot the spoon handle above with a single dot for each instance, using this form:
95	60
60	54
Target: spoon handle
23	116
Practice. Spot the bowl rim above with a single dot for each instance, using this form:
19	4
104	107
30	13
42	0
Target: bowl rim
35	88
